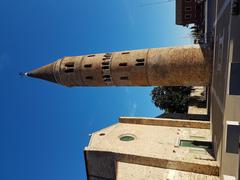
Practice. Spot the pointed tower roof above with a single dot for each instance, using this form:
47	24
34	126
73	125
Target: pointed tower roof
44	72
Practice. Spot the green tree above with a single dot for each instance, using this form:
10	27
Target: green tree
171	99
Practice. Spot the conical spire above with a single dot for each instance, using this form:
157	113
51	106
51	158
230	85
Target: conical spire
44	72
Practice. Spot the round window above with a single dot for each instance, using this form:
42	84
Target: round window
102	134
127	137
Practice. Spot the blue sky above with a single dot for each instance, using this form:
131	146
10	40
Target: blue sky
44	127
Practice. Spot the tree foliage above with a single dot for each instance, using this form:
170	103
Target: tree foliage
172	99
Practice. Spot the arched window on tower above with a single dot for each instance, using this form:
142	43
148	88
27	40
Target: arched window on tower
140	62
69	64
69	67
69	70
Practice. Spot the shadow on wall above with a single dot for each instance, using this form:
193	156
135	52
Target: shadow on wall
200	117
198	101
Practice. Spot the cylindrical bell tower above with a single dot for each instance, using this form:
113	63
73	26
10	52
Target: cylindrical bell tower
173	66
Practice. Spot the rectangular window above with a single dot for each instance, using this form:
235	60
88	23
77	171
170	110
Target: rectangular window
69	64
140	60
105	67
140	64
69	70
188	8
105	63
108	55
188	16
106	76
122	64
124	78
87	65
89	77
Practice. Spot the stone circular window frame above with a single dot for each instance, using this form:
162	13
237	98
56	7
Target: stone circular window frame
127	135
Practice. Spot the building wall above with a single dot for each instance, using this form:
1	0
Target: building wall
156	143
231	113
225	104
188	12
